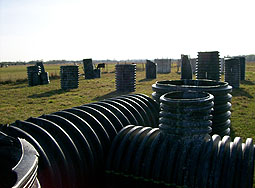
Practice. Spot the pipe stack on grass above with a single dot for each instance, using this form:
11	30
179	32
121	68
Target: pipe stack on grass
232	72
37	75
220	90
208	66
151	70
186	70
44	76
242	68
193	65
33	74
73	144
125	77
180	153
222	65
163	66
69	76
88	68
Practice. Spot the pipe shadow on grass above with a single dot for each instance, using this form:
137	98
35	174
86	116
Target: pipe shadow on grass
47	94
247	82
232	133
240	92
110	95
146	79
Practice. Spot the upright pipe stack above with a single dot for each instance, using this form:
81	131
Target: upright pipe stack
232	72
193	65
33	74
208	66
69	76
186	70
88	68
220	90
222	65
44	76
242	68
163	65
151	70
37	75
125	77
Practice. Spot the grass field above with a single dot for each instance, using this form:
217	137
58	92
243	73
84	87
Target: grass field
18	101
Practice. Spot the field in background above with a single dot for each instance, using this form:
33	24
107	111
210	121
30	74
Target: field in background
19	102
18	73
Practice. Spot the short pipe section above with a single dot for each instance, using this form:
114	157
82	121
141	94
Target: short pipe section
186	114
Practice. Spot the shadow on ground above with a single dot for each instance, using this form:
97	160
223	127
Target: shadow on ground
232	134
17	87
240	92
110	95
47	94
15	84
146	79
247	82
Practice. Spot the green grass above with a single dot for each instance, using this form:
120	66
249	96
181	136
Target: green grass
243	108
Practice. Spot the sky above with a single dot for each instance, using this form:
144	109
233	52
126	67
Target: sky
124	29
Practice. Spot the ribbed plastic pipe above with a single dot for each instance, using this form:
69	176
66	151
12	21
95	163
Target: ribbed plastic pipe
19	163
186	114
180	153
144	157
73	144
220	90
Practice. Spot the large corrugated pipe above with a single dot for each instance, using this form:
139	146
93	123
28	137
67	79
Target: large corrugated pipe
220	90
73	143
164	157
142	156
186	114
19	163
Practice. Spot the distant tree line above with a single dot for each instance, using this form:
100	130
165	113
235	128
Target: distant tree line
3	64
249	58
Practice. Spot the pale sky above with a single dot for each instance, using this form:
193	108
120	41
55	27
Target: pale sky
124	29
